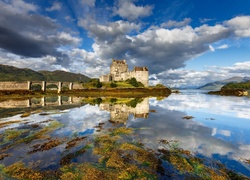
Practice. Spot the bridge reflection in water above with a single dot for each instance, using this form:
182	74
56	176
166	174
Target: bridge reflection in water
44	101
119	113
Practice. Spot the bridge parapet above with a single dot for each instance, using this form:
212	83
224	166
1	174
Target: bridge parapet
12	85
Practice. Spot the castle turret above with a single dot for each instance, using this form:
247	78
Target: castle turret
117	68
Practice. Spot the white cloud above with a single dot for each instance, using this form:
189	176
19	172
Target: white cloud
67	38
171	23
223	46
157	47
240	67
189	78
90	3
211	48
128	10
204	20
240	25
55	7
19	6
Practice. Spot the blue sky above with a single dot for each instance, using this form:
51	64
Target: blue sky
183	42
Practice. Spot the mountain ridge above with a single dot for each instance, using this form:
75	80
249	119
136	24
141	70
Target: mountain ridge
11	73
217	85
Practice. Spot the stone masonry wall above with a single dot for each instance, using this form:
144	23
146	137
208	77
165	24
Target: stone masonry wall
13	85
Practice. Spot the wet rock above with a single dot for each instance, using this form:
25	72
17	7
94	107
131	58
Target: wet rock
2	156
26	114
74	142
187	117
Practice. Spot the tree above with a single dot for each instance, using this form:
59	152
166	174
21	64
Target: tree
133	82
113	84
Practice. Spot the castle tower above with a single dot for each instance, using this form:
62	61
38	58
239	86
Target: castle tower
117	68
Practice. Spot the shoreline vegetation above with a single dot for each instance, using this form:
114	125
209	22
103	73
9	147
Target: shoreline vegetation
93	88
230	92
95	92
234	89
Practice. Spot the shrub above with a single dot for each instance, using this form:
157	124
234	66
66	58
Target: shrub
113	84
95	83
159	86
134	82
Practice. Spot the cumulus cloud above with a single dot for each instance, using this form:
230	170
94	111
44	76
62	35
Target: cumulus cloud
156	47
240	26
171	23
240	67
128	10
159	47
32	36
192	78
18	6
55	7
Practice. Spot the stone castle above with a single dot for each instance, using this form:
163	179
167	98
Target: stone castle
119	72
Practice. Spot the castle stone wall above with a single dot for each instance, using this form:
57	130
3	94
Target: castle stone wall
119	72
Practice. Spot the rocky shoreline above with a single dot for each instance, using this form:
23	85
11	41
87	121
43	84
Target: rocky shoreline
230	92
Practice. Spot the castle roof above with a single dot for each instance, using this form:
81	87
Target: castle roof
119	61
140	68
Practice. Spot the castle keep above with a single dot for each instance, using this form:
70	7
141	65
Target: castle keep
119	72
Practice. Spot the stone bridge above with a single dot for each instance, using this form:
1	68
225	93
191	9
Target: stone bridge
11	85
43	101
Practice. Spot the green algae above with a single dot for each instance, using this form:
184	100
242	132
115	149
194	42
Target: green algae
53	125
117	158
12	137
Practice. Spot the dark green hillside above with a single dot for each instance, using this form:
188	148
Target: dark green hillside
242	85
10	73
64	76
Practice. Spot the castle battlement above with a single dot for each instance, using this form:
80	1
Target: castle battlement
119	72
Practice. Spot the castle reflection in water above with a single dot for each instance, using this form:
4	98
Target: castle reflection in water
119	113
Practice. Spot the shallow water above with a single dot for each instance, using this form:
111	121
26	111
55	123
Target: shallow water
219	128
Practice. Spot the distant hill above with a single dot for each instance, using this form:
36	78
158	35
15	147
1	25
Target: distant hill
10	73
64	76
217	85
240	85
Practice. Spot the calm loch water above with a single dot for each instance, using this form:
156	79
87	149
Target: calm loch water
43	137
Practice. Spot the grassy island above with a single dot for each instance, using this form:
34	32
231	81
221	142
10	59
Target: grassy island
94	88
234	89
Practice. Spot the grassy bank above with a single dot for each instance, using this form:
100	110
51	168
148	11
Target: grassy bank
120	92
95	92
